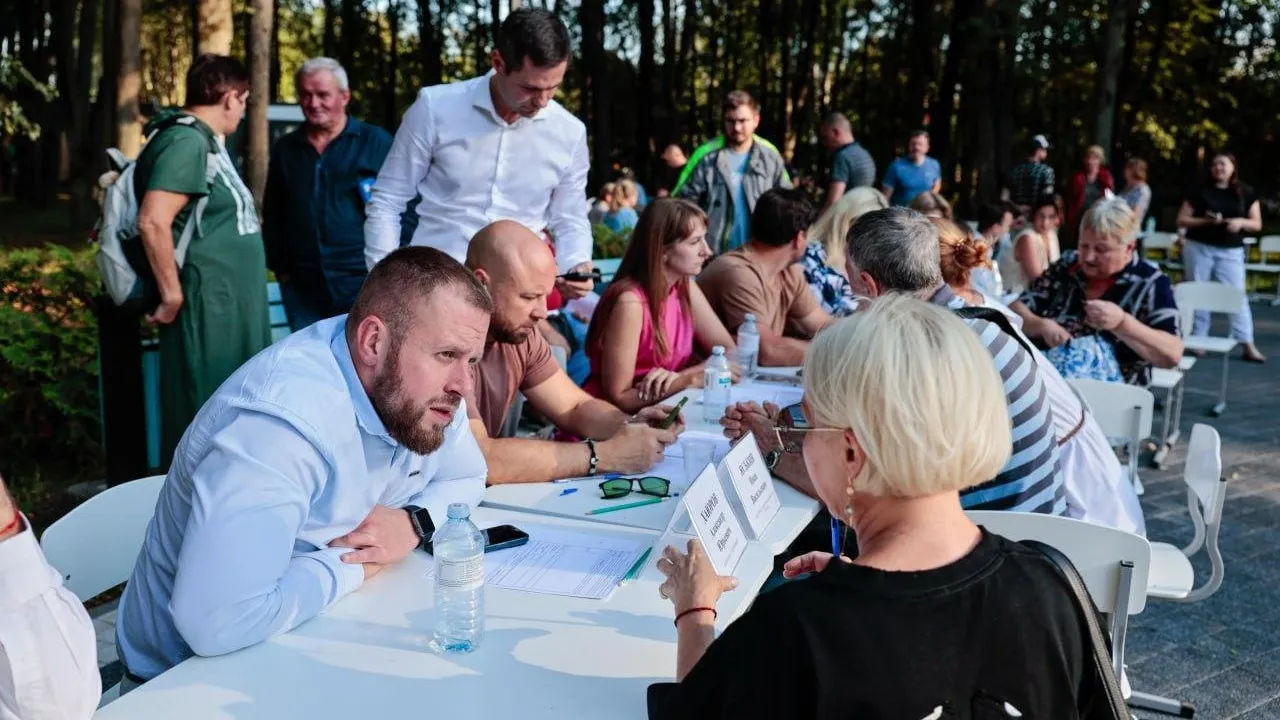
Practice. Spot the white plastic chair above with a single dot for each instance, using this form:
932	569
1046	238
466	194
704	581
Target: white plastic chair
1267	246
1163	242
96	545
1125	414
1172	577
1114	564
1211	297
511	424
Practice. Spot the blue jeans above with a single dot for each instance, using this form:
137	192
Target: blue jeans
299	310
1224	265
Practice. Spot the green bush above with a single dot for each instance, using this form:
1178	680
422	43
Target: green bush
49	407
609	244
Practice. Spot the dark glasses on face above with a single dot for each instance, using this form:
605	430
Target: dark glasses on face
622	487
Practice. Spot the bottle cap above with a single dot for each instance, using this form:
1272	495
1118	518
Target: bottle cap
749	317
459	511
717	350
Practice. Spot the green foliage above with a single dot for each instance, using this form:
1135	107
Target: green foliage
609	244
48	366
14	80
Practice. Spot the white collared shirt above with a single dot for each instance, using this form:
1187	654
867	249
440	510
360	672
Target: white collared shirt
471	168
287	455
48	652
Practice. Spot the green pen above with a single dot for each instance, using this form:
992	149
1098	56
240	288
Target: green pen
613	508
636	569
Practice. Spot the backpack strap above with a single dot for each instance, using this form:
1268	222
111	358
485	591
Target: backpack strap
997	318
193	225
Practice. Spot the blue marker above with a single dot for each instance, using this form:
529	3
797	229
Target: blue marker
568	491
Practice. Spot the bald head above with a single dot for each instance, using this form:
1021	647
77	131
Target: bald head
519	269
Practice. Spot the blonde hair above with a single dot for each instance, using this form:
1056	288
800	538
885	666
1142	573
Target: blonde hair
832	229
623	190
1096	151
920	393
607	189
1112	219
960	253
931	205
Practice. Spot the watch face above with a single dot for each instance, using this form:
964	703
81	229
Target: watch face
772	457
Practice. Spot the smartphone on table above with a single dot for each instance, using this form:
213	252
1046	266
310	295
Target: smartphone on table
498	538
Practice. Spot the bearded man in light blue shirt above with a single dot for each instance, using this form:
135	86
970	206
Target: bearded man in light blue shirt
323	459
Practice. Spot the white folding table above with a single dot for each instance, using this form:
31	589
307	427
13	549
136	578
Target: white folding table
543	656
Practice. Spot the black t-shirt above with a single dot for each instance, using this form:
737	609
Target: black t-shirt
998	626
1207	199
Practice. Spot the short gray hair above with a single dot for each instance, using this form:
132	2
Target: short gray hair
837	120
1112	219
315	65
898	248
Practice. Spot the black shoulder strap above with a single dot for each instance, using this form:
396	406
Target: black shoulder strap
1089	615
995	317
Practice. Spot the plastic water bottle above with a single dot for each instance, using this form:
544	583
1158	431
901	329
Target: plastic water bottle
459	554
748	345
717	383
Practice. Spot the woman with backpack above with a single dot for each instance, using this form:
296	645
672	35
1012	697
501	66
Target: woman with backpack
212	310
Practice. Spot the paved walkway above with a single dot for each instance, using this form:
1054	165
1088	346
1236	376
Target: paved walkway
1222	654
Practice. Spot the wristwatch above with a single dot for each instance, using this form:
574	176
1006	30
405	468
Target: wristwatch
772	457
422	523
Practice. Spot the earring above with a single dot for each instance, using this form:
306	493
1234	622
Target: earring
848	508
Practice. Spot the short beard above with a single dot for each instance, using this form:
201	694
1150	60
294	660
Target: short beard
402	419
506	335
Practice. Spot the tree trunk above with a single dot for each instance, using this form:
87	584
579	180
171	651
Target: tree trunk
330	46
1109	74
670	130
765	38
429	48
495	14
802	85
688	67
940	125
1162	12
129	79
103	119
217	25
275	52
921	63
392	82
259	97
645	149
591	17
352	11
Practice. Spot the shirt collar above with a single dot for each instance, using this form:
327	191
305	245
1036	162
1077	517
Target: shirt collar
366	416
482	98
946	297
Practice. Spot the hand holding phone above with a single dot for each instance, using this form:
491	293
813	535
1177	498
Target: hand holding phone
593	275
674	415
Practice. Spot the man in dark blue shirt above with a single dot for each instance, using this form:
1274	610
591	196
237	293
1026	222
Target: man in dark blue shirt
318	183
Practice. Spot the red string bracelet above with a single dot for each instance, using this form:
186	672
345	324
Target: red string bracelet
17	520
711	610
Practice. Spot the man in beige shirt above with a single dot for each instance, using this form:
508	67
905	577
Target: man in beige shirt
519	271
764	278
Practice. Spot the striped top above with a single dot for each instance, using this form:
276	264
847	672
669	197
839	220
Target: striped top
1031	481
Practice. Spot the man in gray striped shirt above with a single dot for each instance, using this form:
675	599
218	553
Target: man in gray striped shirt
851	165
896	250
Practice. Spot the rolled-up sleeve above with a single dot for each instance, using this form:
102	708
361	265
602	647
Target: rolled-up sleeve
48	652
240	579
567	212
460	476
406	165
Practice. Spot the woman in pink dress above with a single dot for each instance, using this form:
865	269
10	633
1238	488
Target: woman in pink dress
642	338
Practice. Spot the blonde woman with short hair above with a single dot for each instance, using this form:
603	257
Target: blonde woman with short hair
1103	313
823	260
903	409
622	215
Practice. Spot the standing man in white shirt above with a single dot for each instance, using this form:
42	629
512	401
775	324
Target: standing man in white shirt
48	652
328	456
496	147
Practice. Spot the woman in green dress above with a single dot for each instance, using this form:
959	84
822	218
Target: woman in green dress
213	310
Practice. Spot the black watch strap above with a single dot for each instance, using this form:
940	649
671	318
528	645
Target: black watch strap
772	457
422	522
593	465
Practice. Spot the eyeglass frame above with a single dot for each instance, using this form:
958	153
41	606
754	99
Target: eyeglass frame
790	437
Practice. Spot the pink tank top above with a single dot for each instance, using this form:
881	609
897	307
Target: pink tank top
677	328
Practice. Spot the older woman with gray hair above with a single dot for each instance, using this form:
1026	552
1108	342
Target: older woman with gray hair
1100	310
893	396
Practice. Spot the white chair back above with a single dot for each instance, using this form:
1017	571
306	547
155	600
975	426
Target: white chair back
1213	297
1095	550
1203	472
1159	241
96	545
1268	245
1123	410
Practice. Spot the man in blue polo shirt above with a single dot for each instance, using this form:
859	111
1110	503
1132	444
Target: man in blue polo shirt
318	183
914	173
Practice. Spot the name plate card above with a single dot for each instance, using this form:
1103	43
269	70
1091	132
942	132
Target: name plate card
715	522
753	485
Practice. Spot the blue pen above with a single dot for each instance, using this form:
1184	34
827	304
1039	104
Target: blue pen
568	491
835	537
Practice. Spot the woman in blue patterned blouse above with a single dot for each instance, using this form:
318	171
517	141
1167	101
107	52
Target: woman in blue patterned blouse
826	243
1101	310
